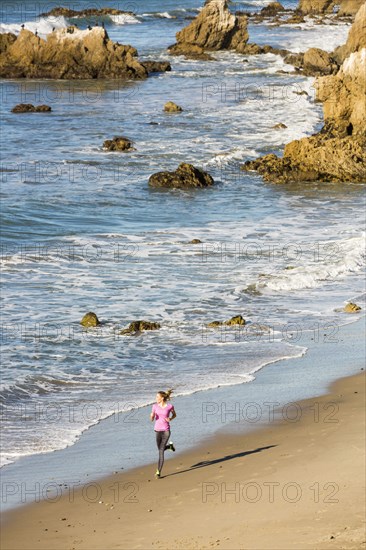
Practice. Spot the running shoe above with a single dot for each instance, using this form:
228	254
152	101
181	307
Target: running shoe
157	474
171	446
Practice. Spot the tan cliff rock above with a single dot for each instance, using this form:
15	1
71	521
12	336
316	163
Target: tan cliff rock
215	28
356	39
338	152
68	54
345	7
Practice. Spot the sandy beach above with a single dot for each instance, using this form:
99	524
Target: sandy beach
291	485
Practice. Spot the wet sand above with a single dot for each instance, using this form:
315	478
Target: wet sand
295	484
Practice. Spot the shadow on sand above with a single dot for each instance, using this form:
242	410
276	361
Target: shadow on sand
205	463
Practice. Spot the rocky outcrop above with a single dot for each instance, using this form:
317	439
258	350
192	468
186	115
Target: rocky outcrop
349	7
346	7
171	107
317	158
314	62
184	177
29	108
156	66
6	40
69	55
89	12
215	28
118	143
343	97
237	320
90	320
356	39
140	326
338	152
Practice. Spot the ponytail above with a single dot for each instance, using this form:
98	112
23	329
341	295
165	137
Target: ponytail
166	394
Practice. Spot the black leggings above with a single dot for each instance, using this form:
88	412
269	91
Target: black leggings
162	439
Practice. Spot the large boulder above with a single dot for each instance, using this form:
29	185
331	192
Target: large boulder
215	28
317	61
69	54
184	177
345	7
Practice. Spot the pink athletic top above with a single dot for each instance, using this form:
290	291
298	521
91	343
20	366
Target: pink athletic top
161	414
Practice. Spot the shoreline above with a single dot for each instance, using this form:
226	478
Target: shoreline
233	479
129	440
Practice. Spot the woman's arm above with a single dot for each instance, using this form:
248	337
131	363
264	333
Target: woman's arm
173	416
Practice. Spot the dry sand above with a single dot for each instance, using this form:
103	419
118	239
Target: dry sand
290	485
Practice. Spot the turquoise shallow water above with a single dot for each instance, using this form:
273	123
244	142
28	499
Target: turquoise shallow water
82	231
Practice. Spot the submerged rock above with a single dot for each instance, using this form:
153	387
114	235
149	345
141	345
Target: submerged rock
29	108
195	241
118	143
90	320
351	308
184	177
139	326
279	126
237	320
171	107
80	54
215	28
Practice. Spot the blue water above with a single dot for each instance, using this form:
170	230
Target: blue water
82	231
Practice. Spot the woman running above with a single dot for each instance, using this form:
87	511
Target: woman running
161	414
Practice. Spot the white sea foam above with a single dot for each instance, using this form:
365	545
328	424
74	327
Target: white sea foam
342	258
124	19
44	26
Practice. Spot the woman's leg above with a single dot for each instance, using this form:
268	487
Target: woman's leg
162	439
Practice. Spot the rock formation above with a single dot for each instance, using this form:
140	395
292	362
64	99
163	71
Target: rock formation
89	12
139	326
237	320
184	177
118	143
356	39
171	107
215	28
29	108
90	320
68	54
156	66
338	151
351	308
346	7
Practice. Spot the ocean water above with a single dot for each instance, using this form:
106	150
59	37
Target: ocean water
82	231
